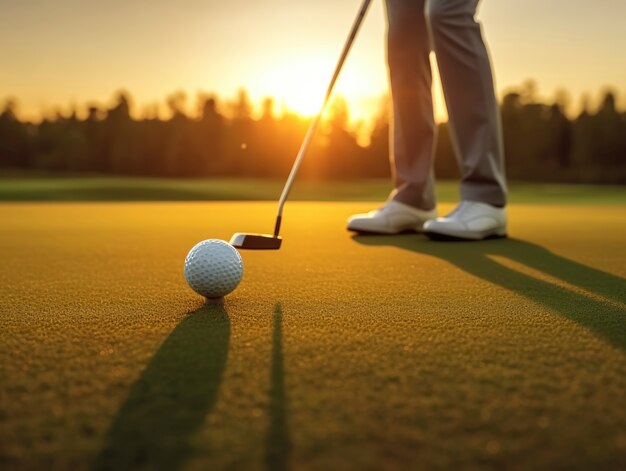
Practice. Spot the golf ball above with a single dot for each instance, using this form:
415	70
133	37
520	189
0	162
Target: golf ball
213	268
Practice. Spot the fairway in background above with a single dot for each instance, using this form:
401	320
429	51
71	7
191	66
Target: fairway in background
45	188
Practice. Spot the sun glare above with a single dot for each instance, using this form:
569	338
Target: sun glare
300	83
297	84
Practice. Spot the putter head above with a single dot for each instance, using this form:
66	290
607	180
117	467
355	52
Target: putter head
255	241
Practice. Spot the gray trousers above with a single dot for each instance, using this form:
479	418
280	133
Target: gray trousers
448	27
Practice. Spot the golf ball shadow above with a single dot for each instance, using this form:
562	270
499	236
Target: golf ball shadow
213	269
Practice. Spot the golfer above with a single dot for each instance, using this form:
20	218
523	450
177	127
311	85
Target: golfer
449	28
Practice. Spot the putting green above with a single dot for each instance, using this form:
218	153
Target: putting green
334	353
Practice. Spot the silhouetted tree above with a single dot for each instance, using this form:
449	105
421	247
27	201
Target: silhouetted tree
608	132
238	157
93	131
264	149
119	145
177	157
210	131
560	131
341	156
582	140
15	142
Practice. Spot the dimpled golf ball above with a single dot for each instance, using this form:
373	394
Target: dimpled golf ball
213	268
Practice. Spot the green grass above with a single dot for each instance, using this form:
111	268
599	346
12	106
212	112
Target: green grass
336	352
45	188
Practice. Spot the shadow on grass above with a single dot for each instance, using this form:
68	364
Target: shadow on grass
607	318
173	396
278	438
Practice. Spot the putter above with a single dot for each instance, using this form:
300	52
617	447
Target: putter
272	242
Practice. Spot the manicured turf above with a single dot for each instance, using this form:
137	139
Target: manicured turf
334	353
18	187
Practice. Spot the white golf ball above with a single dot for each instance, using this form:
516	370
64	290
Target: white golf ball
213	268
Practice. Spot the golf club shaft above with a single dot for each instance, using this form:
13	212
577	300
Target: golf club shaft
314	124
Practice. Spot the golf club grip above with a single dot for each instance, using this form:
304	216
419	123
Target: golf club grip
314	124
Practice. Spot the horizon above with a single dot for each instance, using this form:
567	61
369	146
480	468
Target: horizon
190	105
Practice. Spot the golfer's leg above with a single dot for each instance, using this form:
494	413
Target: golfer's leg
413	126
468	88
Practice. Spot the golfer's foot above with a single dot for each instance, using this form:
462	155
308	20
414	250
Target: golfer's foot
470	220
393	218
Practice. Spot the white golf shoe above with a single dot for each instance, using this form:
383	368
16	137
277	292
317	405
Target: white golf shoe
470	220
393	218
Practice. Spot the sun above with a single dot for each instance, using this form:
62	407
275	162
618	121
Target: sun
299	83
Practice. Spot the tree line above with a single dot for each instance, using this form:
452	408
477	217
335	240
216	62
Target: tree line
541	142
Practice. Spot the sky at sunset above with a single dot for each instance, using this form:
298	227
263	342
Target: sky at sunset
76	51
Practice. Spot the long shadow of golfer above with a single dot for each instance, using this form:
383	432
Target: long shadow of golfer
606	317
278	437
173	396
